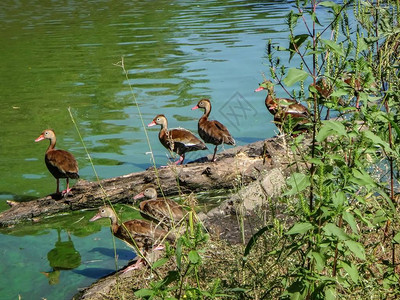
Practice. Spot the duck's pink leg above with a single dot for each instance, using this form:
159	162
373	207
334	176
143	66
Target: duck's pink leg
159	247
58	186
67	190
138	264
215	152
180	160
358	101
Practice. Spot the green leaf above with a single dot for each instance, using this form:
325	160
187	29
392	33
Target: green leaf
295	75
349	218
362	178
334	47
315	19
362	45
394	124
296	43
194	257
296	296
396	238
338	199
340	93
371	40
144	293
298	183
159	262
171	277
329	4
357	248
379	218
361	216
329	128
377	140
178	253
387	198
351	270
254	239
319	260
300	228
237	289
292	19
330	294
316	161
332	229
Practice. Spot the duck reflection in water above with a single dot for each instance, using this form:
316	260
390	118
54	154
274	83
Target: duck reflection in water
63	256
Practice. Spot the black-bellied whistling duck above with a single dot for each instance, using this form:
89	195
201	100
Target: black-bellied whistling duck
324	88
141	235
178	140
281	108
60	163
163	210
212	132
355	84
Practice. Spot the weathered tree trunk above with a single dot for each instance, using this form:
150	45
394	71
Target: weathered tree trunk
239	165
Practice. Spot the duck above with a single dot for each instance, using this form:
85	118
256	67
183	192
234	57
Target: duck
162	210
178	140
356	85
352	82
323	87
60	163
212	131
282	108
141	235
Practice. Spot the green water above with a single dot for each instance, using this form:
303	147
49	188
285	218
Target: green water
61	54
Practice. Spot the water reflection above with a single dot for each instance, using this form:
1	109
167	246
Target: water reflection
120	253
63	256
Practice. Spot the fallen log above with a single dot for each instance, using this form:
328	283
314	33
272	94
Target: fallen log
239	165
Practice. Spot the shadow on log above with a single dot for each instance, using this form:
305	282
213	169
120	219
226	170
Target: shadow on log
239	165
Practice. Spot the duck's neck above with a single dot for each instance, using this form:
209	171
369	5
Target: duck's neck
164	128
207	111
52	144
270	97
114	224
164	125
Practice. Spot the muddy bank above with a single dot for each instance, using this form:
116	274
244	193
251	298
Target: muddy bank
233	222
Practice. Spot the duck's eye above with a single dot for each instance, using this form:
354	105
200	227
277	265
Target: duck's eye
103	210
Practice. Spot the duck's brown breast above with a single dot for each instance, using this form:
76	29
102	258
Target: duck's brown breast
162	210
180	141
145	234
214	132
62	164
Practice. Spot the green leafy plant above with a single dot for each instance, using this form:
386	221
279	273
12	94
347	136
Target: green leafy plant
343	200
184	281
